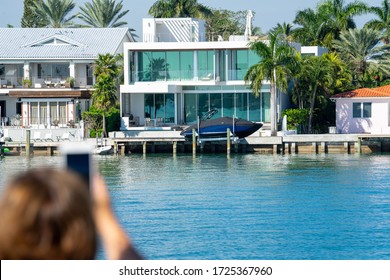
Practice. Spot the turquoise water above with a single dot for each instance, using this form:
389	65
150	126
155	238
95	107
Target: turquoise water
249	206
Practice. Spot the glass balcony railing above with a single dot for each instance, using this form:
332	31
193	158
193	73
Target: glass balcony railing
11	82
149	76
45	82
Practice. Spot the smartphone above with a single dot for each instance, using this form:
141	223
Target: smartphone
78	158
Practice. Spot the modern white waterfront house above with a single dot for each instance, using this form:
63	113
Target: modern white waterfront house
363	111
46	74
174	76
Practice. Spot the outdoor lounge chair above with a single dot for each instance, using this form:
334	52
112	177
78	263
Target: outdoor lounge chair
36	136
65	136
48	137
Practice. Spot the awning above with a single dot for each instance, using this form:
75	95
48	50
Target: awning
65	93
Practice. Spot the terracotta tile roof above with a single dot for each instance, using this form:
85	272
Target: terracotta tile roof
383	91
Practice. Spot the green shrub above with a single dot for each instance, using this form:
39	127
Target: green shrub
296	118
94	120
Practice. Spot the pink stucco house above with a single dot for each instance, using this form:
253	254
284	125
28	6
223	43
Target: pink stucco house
363	110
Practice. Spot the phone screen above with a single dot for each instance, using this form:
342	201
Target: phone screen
79	163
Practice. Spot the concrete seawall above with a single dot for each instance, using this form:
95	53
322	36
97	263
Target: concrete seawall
170	141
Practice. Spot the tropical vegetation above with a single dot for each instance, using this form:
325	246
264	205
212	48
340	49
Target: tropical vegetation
104	97
30	18
55	13
179	8
357	57
364	55
382	20
103	13
277	60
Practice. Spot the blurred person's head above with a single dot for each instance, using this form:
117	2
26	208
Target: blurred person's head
47	214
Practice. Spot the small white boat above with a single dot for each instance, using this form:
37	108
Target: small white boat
103	150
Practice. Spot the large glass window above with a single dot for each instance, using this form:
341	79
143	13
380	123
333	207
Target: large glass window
228	104
266	107
53	112
187	65
62	111
144	59
160	106
205	64
242	105
58	70
190	108
43	113
254	108
34	112
203	104
173	65
169	108
216	103
239	63
149	106
163	66
158	66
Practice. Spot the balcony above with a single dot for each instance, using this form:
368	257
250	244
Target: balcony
10	82
151	76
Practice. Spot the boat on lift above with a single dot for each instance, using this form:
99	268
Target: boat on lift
207	127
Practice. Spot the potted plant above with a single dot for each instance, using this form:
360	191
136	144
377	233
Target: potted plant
69	82
27	83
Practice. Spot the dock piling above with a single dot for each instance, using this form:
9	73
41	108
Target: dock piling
193	142
28	142
228	141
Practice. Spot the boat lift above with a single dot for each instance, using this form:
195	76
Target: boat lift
230	135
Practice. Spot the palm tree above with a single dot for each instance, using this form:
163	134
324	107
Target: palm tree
317	72
54	12
382	23
340	15
103	13
312	28
107	64
179	8
276	61
285	29
363	53
104	96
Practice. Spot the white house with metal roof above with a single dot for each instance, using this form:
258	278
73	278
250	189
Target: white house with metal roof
46	74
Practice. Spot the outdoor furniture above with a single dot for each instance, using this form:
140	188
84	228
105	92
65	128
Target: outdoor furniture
3	83
48	137
47	83
65	136
36	136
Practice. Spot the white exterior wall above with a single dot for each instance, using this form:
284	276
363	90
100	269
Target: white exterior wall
314	50
377	124
173	30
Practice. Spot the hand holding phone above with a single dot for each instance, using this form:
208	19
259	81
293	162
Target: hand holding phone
78	159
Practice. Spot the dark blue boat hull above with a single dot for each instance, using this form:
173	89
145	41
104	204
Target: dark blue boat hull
217	128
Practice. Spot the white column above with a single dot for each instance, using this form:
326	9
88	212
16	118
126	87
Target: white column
72	69
126	67
26	70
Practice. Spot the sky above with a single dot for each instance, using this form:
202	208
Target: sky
268	12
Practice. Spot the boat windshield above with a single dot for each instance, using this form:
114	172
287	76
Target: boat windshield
209	115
